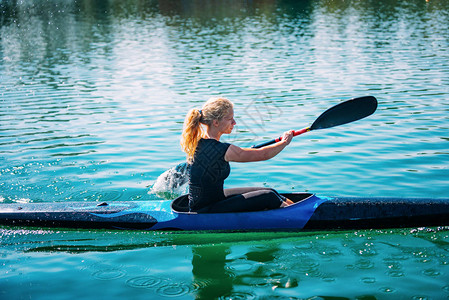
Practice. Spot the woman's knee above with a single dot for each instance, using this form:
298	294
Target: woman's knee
269	198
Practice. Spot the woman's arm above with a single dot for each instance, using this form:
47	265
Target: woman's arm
237	154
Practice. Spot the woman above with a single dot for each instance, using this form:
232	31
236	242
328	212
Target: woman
209	159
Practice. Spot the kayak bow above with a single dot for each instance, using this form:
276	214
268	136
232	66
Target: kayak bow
309	212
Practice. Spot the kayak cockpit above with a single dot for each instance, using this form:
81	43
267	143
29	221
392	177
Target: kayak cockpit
181	204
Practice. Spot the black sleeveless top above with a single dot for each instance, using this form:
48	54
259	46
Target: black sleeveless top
207	174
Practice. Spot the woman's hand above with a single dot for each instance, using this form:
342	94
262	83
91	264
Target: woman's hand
287	137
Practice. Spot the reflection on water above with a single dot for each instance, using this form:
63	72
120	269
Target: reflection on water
209	271
371	263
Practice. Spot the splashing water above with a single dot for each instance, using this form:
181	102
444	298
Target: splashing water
172	183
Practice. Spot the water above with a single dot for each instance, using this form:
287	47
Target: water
68	264
92	100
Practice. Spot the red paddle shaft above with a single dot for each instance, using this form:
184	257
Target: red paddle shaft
295	133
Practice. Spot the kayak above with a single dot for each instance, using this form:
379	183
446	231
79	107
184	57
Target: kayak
309	212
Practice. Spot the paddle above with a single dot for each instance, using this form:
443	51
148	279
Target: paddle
345	112
342	113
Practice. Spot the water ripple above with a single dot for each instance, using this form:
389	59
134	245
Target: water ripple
109	274
144	282
173	290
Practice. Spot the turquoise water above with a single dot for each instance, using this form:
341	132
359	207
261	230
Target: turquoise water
66	264
92	100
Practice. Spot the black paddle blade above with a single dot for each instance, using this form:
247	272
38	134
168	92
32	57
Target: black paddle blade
346	112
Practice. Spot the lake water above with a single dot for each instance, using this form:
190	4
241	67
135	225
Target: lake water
92	99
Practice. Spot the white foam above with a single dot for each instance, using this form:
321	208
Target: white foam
173	182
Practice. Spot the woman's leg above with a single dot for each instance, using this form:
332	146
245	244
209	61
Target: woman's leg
247	199
243	190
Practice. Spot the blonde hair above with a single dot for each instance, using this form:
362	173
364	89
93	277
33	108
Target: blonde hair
213	109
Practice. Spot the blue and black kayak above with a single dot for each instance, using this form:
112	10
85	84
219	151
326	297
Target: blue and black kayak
309	212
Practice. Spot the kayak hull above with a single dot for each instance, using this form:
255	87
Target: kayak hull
366	213
310	212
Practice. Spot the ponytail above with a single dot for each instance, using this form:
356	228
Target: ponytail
192	133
